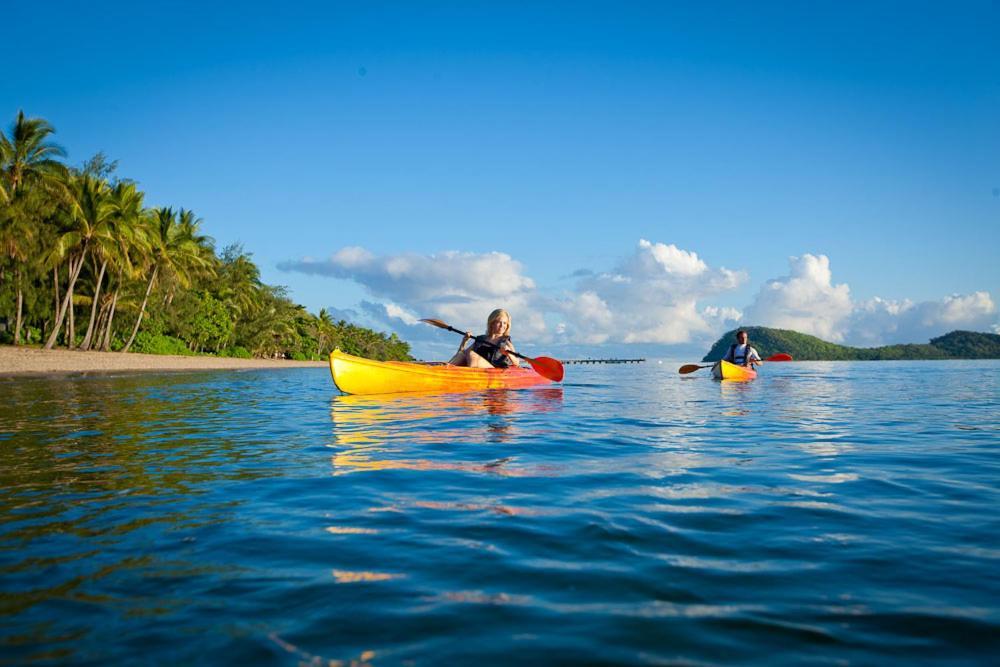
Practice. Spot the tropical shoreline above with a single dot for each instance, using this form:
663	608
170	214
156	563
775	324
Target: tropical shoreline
20	361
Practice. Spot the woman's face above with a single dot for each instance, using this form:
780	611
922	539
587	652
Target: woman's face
500	325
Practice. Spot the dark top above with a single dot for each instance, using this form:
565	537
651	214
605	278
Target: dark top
491	351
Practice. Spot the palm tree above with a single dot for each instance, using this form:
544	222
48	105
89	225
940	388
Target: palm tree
134	226
17	234
30	173
28	158
125	202
88	223
177	253
239	286
324	323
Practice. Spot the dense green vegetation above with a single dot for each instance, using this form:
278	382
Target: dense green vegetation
969	345
802	347
86	264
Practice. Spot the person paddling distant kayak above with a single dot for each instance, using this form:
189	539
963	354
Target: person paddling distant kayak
490	350
741	353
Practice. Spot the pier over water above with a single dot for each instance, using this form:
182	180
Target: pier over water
603	361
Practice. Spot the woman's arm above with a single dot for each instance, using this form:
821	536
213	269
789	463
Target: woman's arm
509	347
465	339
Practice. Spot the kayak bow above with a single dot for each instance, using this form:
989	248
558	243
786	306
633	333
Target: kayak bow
357	375
723	370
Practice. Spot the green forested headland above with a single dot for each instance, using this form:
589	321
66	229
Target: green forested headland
803	347
85	264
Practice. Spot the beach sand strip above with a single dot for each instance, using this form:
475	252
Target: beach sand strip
30	361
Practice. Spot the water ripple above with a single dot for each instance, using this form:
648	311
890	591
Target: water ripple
826	513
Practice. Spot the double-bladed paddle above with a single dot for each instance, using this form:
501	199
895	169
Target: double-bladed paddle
547	367
691	368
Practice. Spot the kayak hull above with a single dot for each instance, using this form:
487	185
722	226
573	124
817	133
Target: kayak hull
723	370
357	375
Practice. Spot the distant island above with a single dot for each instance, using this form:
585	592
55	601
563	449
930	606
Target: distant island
803	347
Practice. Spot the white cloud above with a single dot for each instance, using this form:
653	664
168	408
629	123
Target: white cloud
672	258
881	322
458	287
807	300
657	295
412	278
650	297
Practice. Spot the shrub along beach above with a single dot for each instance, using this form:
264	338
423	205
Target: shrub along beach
86	265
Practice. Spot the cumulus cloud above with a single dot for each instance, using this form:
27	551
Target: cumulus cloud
808	300
651	296
881	322
413	278
458	287
656	295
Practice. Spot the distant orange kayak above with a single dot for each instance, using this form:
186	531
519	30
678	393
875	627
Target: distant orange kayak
723	370
357	375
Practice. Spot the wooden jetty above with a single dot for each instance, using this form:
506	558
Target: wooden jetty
603	361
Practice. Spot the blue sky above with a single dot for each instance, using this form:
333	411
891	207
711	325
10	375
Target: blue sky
559	136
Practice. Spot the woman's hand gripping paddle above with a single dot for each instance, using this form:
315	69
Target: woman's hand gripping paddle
547	367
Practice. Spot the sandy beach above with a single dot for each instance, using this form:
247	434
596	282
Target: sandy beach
23	360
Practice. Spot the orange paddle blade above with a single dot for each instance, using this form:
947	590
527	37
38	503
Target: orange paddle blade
547	367
781	356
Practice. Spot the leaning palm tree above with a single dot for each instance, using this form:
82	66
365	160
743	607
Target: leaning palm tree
177	253
134	250
125	201
87	223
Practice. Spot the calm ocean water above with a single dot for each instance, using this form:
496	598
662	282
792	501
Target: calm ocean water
828	513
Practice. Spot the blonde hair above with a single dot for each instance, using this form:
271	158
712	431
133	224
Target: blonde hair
494	316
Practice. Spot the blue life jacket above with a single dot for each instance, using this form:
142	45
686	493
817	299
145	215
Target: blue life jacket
491	351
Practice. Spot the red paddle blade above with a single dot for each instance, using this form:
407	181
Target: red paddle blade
689	368
781	356
548	367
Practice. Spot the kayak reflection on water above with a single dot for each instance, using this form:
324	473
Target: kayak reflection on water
735	394
368	431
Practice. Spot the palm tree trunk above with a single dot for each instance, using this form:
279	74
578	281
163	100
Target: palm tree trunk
70	321
102	319
20	303
85	345
55	290
106	345
74	273
142	310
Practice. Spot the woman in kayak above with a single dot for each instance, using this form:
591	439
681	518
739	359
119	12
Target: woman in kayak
490	350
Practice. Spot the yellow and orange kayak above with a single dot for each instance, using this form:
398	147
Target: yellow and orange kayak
723	370
357	375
